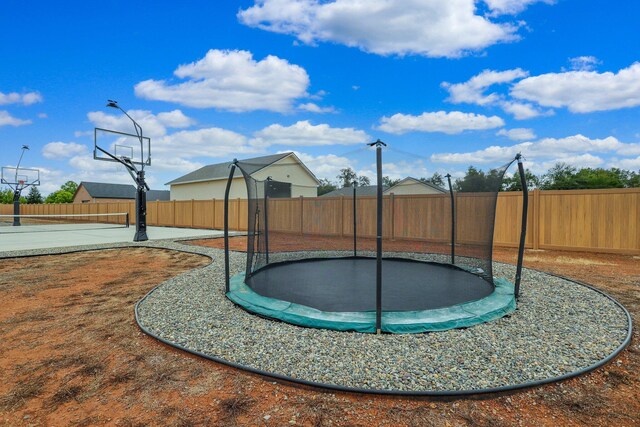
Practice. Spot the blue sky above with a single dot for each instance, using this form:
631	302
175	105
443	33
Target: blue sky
446	84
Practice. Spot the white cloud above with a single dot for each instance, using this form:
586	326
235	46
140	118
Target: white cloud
629	164
315	108
583	63
210	142
577	150
432	28
303	133
583	91
511	7
61	150
152	125
452	122
523	110
20	98
517	134
7	119
325	166
472	91
629	149
232	80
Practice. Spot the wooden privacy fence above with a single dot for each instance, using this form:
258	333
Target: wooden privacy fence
578	220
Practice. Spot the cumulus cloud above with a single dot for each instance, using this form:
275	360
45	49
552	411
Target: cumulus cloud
315	108
326	166
523	110
452	122
152	125
583	63
20	98
62	150
430	28
7	119
472	91
583	91
629	164
511	7
517	134
540	155
232	80
303	133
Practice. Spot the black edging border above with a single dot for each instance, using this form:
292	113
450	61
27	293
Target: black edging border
335	387
433	393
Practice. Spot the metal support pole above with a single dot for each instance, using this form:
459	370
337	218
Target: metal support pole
266	219
141	209
355	222
523	231
226	226
453	221
378	144
16	208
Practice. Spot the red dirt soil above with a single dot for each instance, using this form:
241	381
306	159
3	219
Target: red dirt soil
72	354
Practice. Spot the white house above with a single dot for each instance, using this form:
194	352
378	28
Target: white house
210	181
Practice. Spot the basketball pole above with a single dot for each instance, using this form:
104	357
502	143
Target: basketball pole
18	191
139	179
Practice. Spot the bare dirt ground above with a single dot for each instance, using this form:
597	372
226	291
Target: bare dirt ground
73	355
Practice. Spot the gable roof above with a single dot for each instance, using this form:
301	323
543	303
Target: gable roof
365	190
416	181
221	170
102	190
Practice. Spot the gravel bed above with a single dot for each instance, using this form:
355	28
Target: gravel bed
559	327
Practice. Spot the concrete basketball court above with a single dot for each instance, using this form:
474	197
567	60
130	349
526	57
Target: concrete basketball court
64	235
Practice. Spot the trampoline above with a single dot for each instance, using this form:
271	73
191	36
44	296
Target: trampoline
323	279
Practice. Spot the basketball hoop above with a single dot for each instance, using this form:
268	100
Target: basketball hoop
21	182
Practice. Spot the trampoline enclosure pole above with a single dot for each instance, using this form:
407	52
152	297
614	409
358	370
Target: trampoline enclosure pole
523	231
266	219
226	225
378	144
16	208
453	221
355	240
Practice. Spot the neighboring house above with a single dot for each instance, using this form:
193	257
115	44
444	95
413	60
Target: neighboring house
100	192
365	190
414	186
209	182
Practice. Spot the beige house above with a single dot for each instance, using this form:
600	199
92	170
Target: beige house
209	182
414	186
102	192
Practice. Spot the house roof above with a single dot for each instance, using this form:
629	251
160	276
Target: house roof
365	190
416	181
103	190
221	170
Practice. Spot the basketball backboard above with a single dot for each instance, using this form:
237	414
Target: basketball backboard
121	145
19	178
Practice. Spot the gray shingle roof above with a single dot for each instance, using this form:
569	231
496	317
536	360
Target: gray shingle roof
366	190
426	184
221	170
103	190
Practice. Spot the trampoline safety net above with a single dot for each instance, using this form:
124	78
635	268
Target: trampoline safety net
318	254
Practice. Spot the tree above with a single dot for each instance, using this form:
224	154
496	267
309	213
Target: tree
436	179
512	182
34	196
478	181
326	186
388	182
6	197
347	177
363	180
559	177
64	194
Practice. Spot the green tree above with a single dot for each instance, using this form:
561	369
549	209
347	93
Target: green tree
476	180
69	187
560	177
363	180
60	196
436	179
326	186
6	197
512	182
386	181
347	177
34	196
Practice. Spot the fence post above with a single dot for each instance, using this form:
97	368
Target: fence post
213	213
238	216
301	215
536	219
341	215
392	216
191	213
